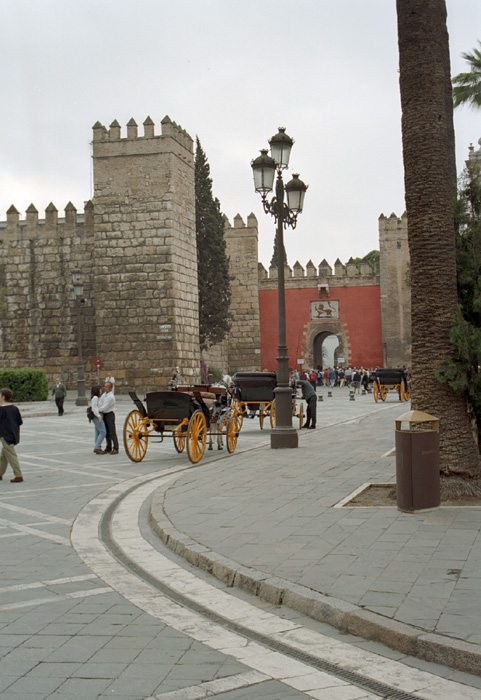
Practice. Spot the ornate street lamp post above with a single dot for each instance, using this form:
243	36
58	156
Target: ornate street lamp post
77	294
265	168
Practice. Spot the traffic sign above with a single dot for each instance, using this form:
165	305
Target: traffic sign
98	363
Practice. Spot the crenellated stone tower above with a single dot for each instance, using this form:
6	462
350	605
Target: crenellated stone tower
135	244
145	252
395	290
242	250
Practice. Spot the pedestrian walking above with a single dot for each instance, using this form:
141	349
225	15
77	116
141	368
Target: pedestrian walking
310	397
106	407
332	377
111	379
313	379
98	421
59	392
356	381
10	422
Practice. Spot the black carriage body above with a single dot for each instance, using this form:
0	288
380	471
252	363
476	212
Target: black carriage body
388	377
255	386
166	408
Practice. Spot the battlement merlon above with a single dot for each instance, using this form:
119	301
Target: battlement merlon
351	274
240	229
13	225
109	142
393	228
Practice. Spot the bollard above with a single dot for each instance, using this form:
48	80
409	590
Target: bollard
329	393
351	396
320	398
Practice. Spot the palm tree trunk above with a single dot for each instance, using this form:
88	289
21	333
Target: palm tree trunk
428	143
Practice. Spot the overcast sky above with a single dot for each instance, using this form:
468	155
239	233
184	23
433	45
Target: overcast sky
230	72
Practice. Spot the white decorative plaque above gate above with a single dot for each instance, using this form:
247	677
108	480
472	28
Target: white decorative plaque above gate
325	310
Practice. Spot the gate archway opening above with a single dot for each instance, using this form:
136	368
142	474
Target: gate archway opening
324	350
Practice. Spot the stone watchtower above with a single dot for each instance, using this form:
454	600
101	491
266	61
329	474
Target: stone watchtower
244	340
145	258
395	290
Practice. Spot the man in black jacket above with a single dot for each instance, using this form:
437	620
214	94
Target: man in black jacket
10	422
309	395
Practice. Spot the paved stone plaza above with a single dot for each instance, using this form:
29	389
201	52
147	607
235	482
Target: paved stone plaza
92	605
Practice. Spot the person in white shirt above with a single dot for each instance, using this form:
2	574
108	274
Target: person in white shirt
106	407
99	423
111	379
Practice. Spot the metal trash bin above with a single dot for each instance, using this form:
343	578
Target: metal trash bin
417	462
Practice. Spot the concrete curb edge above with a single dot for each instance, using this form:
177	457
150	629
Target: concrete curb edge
342	615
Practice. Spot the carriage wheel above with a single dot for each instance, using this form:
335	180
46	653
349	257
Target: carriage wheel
273	414
233	431
179	440
238	411
135	439
196	436
407	393
301	415
376	392
383	392
401	391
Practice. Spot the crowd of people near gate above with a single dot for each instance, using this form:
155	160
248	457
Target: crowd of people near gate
356	378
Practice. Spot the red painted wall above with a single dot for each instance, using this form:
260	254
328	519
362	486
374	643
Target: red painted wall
359	308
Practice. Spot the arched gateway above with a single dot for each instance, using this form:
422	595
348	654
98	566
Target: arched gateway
346	304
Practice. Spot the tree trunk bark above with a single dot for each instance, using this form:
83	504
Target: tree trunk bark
428	143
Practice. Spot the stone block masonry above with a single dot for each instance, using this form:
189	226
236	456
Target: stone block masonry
38	321
136	247
145	253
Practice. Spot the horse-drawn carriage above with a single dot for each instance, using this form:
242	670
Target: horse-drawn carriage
192	415
386	380
253	395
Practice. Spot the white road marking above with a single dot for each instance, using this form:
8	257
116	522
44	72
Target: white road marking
44	584
68	470
210	688
289	671
72	487
13	534
33	531
27	511
33	602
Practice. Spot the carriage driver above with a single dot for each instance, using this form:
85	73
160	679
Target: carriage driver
310	397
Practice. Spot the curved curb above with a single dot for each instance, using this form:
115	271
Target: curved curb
346	617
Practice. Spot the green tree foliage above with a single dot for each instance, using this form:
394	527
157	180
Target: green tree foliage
275	254
371	258
462	371
467	86
213	264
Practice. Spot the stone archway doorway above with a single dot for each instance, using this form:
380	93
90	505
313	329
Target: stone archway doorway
324	349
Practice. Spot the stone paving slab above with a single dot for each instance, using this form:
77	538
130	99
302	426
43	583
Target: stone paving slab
272	514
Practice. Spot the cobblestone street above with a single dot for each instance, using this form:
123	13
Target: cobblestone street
92	605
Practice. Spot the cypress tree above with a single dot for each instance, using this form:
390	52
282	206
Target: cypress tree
275	253
213	263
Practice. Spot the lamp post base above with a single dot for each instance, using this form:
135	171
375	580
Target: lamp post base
282	438
81	399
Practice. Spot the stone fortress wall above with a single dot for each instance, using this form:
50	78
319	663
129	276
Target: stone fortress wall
136	247
135	244
390	273
38	323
